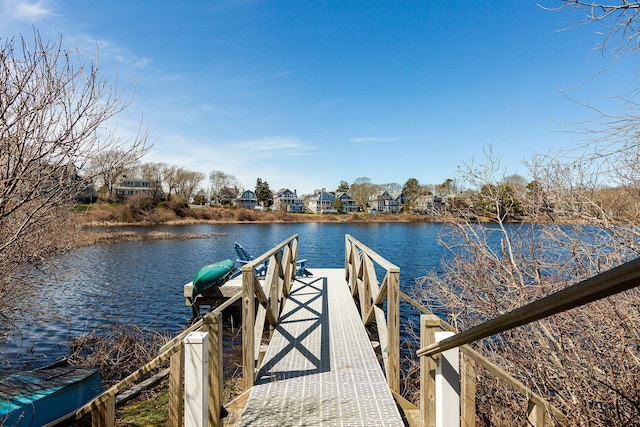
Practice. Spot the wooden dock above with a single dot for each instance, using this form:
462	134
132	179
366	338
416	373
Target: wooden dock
320	368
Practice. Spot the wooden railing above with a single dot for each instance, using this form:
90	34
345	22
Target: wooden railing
270	297
619	279
362	279
469	361
361	276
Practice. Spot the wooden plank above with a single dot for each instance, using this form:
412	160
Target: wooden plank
393	323
248	326
507	378
370	282
355	276
359	277
260	296
235	408
139	388
382	292
373	255
370	271
197	325
258	331
383	337
468	391
279	285
429	325
265	256
537	416
104	415
213	326
274	292
362	285
285	277
176	389
375	291
370	315
270	282
133	377
411	412
288	268
348	258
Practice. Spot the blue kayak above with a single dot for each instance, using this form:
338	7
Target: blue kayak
46	396
211	275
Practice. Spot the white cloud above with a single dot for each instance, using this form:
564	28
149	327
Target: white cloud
106	50
274	146
129	59
33	11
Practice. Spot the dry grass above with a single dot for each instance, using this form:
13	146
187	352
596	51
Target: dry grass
127	213
116	352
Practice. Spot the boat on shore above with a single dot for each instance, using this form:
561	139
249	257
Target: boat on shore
48	395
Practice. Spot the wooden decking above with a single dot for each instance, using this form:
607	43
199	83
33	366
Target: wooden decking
320	368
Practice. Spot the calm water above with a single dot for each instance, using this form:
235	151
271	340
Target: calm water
141	282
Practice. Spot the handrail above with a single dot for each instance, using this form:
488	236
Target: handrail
166	351
611	282
372	254
265	256
486	363
361	277
362	280
270	297
614	281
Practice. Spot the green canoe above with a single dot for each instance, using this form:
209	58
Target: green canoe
211	275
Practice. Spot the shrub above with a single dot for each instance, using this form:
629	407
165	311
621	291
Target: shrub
244	215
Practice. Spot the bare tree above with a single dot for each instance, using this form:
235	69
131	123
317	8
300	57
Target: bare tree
619	22
585	362
391	187
52	109
220	180
361	190
449	187
171	179
154	173
187	183
108	166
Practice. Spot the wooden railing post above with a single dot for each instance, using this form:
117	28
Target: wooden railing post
347	258
248	321
393	324
468	391
537	415
278	284
429	324
176	388
213	325
105	414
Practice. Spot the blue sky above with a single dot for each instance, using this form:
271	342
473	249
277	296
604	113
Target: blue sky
304	94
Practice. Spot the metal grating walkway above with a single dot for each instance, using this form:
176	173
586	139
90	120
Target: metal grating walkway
320	368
